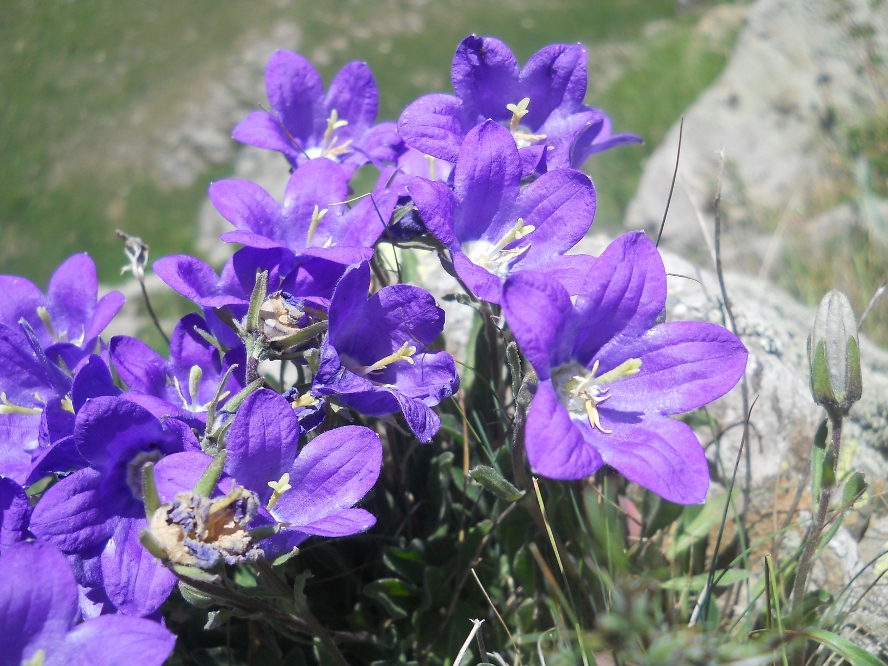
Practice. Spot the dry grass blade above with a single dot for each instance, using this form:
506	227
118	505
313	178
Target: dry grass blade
672	186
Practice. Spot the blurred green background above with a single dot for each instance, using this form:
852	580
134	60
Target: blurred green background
106	105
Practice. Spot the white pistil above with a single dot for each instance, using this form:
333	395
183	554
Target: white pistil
405	353
522	138
278	488
581	391
495	258
316	217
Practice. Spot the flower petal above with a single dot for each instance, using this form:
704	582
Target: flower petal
15	514
38	597
555	444
115	639
264	130
354	96
435	125
485	76
553	78
624	293
659	453
247	206
341	523
684	365
436	204
538	309
72	295
135	581
295	90
262	441
332	472
72	514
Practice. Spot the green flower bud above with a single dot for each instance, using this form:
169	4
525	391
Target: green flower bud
834	355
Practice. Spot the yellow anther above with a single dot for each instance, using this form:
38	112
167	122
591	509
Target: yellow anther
518	110
316	217
594	416
304	400
67	405
8	408
278	488
403	354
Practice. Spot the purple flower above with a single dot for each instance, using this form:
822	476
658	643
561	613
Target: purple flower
610	374
541	104
39	613
98	510
312	222
375	356
15	514
69	315
194	362
492	228
312	493
306	124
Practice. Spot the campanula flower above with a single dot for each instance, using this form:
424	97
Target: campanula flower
39	614
541	104
305	124
375	356
610	375
493	228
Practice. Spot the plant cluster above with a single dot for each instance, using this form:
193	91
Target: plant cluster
310	398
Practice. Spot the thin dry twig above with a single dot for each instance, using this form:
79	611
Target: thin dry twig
672	185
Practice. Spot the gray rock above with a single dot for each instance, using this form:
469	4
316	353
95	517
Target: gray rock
799	71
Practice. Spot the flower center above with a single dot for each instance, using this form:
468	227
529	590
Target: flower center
134	470
580	391
494	257
523	136
329	147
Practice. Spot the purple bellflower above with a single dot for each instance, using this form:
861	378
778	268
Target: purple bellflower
492	228
313	224
541	104
375	356
306	124
69	317
39	613
610	374
195	364
98	511
312	493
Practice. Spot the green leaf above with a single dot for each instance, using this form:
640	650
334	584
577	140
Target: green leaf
853	654
495	483
723	578
854	488
699	527
395	595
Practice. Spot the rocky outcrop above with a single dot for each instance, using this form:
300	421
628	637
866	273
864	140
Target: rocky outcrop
801	72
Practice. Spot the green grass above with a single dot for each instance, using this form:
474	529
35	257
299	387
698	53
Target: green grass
73	76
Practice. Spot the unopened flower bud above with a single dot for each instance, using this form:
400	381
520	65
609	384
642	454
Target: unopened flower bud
834	355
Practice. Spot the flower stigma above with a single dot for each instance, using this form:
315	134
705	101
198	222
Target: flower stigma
316	217
7	407
581	391
328	147
523	136
278	488
494	257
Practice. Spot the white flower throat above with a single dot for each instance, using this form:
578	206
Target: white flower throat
493	256
580	391
329	147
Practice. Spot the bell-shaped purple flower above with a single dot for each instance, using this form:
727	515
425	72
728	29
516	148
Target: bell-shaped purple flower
610	374
375	357
312	222
39	613
306	124
541	104
70	315
99	509
194	363
493	228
